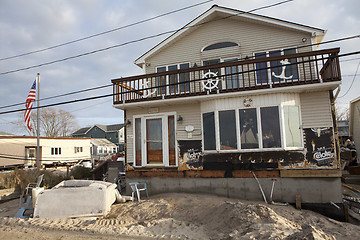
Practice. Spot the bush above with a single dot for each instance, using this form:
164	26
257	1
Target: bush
80	172
21	178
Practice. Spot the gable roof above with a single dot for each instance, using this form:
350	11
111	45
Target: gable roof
211	14
81	131
105	128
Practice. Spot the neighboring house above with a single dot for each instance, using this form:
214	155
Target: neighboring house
101	148
114	133
230	93
355	123
21	150
343	131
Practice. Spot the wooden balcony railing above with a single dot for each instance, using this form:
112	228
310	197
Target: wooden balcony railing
265	72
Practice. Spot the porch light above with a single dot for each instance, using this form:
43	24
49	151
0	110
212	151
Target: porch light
179	118
128	122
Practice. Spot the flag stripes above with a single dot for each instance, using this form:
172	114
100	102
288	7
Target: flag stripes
29	104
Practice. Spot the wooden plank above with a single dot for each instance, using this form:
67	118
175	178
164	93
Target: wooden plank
298	201
310	173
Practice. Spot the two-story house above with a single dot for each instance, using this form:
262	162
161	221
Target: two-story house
229	96
113	133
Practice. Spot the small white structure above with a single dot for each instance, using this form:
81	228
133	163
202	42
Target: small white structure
75	198
21	150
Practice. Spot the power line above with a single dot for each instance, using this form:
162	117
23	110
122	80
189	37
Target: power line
352	81
105	32
133	91
138	40
109	85
61	95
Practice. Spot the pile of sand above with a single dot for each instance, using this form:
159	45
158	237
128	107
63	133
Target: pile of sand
186	216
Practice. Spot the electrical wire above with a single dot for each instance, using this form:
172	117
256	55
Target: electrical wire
246	58
133	91
139	40
352	81
105	32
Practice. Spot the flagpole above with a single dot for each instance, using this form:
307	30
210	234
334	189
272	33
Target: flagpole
37	123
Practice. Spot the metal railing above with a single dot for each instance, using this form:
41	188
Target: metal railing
244	75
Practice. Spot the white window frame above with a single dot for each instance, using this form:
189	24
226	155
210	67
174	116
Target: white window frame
259	127
165	139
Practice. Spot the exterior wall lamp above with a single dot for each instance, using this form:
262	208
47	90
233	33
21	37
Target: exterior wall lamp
128	122
179	118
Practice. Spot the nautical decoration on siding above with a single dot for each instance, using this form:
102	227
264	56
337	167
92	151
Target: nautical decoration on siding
282	75
247	102
210	81
147	92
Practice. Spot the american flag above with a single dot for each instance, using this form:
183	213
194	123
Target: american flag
29	104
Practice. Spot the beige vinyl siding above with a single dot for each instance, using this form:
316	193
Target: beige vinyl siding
257	101
355	118
316	109
189	112
251	36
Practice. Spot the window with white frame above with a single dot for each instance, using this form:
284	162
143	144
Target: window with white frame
274	71
55	151
173	83
258	128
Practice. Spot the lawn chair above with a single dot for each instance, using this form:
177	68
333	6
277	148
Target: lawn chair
137	187
30	186
27	196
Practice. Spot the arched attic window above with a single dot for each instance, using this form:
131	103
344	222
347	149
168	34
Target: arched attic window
220	45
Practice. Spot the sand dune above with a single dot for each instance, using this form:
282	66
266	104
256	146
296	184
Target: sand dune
184	216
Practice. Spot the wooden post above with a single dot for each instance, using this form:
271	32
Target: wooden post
298	201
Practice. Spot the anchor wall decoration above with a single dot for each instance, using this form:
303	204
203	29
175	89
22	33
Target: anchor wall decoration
147	92
282	75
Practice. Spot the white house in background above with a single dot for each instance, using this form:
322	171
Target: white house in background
355	123
101	147
21	150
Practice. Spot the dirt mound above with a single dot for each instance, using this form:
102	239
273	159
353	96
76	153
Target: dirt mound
195	216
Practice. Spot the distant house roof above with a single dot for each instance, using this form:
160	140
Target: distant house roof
102	142
105	128
81	131
114	127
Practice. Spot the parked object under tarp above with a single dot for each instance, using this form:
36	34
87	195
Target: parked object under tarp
76	198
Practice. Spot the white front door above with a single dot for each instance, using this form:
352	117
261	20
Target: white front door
154	141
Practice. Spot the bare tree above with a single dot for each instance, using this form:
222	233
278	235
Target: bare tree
53	123
342	113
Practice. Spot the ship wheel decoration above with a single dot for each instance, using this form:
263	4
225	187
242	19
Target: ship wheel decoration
210	81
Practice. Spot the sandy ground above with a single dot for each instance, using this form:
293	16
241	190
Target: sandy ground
182	216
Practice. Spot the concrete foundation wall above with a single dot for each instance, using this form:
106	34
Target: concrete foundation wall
312	190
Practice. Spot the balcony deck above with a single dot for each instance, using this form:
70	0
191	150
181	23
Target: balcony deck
305	68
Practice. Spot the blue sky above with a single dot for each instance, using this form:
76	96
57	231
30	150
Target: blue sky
28	25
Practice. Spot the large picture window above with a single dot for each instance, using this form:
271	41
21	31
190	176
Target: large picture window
270	127
209	131
227	127
252	128
248	128
292	126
